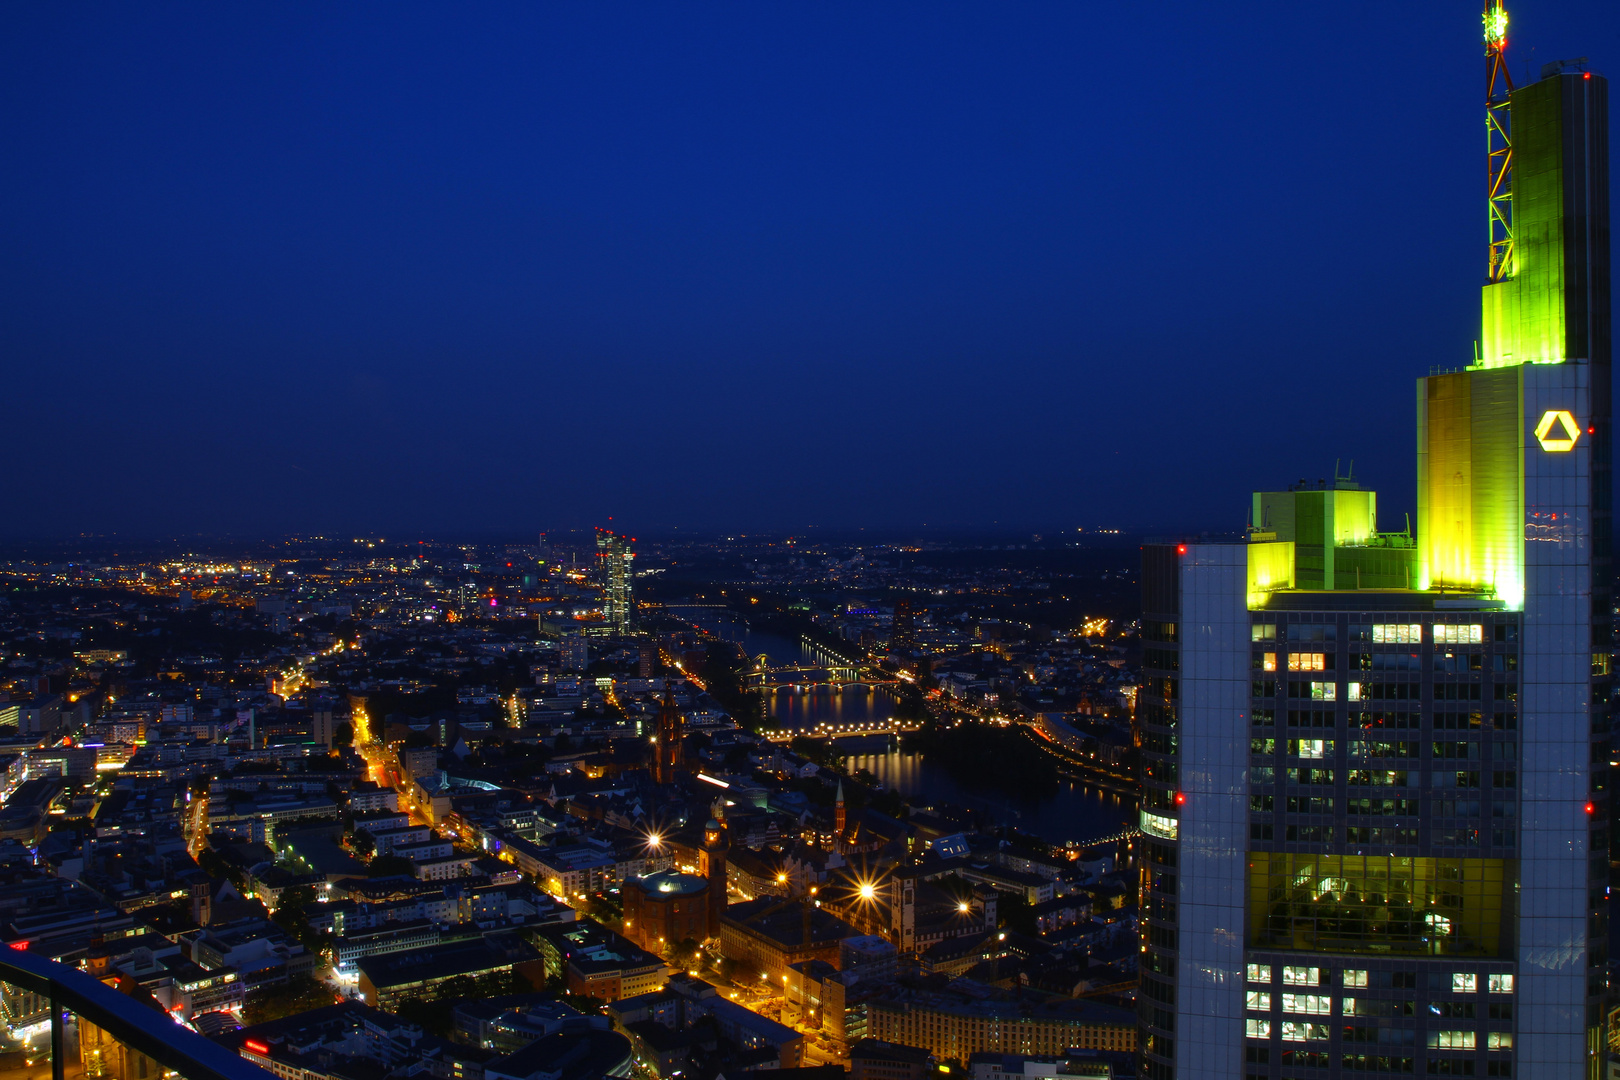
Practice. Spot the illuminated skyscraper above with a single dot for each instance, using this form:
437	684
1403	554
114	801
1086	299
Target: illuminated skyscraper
1375	784
903	632
615	554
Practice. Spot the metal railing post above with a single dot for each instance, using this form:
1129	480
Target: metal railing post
58	1040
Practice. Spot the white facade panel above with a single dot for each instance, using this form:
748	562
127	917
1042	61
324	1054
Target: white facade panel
1214	757
1555	729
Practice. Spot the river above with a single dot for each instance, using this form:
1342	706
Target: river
1075	812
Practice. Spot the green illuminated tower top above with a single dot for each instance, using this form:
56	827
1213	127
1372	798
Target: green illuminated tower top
1547	154
1539	385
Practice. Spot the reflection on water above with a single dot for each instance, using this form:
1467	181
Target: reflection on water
850	706
1073	812
823	704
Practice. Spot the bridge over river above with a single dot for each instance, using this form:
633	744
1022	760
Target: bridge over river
805	677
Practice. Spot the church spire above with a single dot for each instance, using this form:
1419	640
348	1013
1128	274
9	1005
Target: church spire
839	820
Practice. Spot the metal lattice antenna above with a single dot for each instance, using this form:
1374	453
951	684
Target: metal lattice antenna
1498	143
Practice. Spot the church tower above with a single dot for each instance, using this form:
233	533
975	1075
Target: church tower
671	731
839	820
716	843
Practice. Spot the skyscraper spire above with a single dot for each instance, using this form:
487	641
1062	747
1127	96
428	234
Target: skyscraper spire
1498	143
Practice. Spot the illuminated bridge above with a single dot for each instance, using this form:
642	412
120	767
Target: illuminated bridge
1130	833
803	676
832	670
841	731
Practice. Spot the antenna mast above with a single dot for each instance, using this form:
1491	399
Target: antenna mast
1498	142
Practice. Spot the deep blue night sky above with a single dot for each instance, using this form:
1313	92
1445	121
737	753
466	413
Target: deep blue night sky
464	268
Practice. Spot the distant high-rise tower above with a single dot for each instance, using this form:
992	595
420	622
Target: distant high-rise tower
616	554
575	651
1375	788
903	631
322	714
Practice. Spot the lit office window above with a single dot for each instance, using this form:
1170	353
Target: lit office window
1451	1040
1309	1004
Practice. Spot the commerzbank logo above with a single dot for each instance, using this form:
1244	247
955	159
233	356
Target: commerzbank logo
1557	431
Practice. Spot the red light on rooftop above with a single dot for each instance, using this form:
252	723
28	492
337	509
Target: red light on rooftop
1587	75
1181	549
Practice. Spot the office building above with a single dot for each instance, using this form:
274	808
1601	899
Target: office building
324	720
574	651
598	963
1375	782
615	555
956	1025
387	979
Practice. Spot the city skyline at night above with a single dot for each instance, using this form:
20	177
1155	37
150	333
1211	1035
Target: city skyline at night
859	542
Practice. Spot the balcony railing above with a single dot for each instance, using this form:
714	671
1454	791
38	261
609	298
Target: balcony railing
137	1026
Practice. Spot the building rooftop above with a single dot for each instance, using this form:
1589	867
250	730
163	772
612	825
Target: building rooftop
878	1050
583	1055
589	946
442	961
671	883
783	922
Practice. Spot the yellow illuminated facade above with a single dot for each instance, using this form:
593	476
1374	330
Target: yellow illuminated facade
1525	318
1471	484
1271	567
